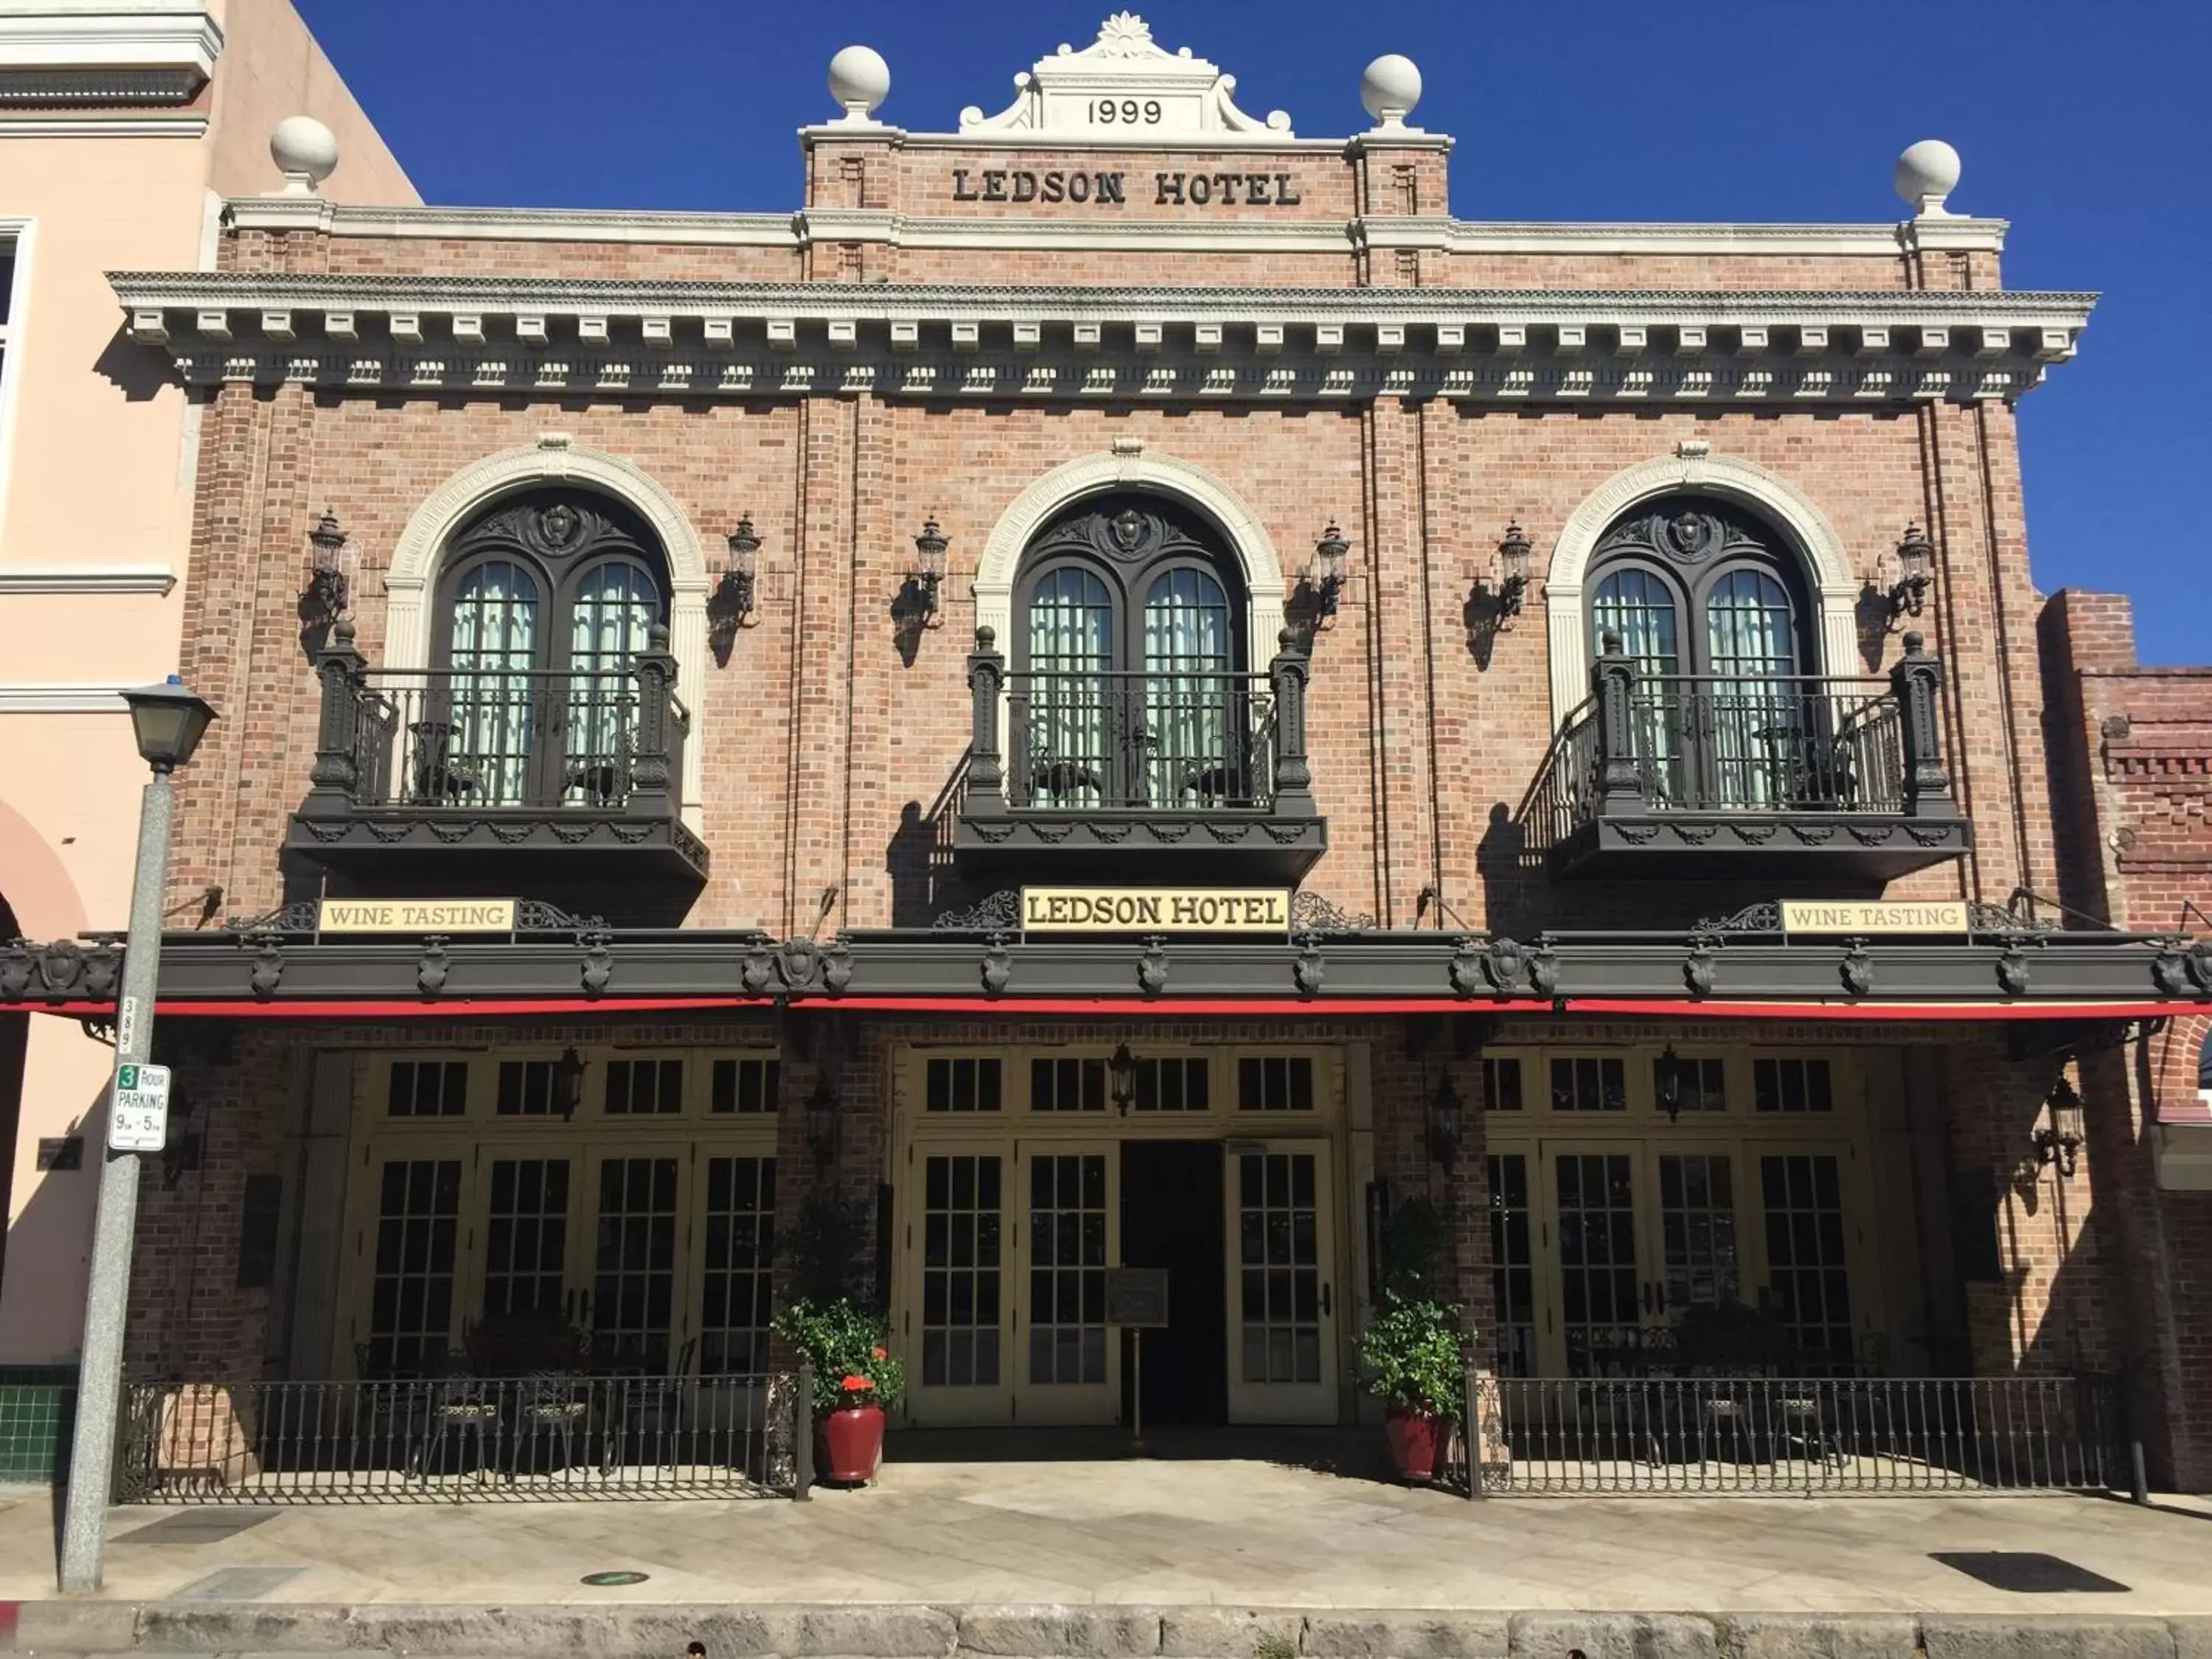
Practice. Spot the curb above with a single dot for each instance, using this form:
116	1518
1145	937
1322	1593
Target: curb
908	1630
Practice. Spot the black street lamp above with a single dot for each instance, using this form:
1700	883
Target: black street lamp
929	570
2059	1141
1915	562
168	722
1667	1076
1121	1077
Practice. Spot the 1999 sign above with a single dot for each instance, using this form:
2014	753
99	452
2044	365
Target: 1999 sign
1128	112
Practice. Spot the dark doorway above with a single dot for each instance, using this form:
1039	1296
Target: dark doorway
1171	1219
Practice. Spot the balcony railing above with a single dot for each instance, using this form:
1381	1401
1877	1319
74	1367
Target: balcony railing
473	767
1132	760
1679	756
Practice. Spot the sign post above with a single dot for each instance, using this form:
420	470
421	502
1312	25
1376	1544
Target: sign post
1137	1299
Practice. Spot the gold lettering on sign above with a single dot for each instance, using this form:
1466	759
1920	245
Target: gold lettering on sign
1874	916
418	916
1155	910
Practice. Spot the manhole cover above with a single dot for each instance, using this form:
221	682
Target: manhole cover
196	1527
2031	1572
606	1580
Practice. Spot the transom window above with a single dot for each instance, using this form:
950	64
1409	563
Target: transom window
545	603
1131	686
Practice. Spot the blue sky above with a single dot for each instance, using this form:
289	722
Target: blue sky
2084	122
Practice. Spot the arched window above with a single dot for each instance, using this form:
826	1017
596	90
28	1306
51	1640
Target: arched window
1711	605
1130	686
545	601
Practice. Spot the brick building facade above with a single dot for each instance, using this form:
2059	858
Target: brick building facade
810	620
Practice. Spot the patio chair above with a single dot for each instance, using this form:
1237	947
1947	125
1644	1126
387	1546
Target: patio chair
547	1410
644	1409
463	1410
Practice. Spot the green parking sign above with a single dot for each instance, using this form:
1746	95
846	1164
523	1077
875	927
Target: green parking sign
138	1115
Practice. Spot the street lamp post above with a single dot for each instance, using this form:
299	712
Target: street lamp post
168	722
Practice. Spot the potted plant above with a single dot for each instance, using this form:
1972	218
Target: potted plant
856	1382
1412	1350
829	1319
1412	1347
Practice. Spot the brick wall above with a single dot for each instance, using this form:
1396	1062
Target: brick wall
2130	780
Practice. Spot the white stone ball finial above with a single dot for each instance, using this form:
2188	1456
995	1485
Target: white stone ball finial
1925	174
860	81
1389	88
305	151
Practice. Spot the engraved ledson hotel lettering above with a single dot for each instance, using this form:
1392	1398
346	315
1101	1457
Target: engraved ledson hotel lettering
1175	189
1140	910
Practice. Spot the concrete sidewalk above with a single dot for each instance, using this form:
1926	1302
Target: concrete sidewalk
1119	1559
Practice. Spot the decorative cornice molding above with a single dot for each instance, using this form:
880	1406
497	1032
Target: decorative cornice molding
90	126
793	229
140	36
694	338
87	579
60	87
98	698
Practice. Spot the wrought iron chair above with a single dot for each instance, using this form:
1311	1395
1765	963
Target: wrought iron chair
463	1408
642	1408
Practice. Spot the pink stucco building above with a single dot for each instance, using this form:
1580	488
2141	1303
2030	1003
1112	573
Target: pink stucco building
124	124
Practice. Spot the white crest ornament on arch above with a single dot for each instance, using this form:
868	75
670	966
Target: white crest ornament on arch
1835	590
555	460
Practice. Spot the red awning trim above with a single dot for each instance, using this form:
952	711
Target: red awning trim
1161	1007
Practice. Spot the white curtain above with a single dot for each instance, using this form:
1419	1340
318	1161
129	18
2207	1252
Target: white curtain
479	753
1639	607
1761	726
615	607
1193	754
1071	654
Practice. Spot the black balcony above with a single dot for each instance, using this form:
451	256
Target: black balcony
1818	777
452	783
1080	775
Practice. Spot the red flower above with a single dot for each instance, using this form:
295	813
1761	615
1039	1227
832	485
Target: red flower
878	1353
856	1385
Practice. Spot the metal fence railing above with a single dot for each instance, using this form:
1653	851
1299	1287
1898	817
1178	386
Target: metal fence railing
458	1439
1166	741
1793	1436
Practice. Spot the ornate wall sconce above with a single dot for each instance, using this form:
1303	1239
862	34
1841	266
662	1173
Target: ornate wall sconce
928	572
1916	561
1122	1077
730	606
329	589
1321	582
1667	1079
1512	575
1447	1118
822	1116
2059	1140
568	1082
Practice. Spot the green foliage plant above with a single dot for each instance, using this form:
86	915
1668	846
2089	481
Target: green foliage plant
1415	1355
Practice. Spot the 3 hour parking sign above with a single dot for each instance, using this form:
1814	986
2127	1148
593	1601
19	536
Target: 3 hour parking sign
139	1119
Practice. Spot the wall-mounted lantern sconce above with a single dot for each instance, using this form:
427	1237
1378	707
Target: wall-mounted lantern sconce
1323	578
568	1082
329	589
822	1116
1446	1119
1122	1077
2059	1140
1512	568
1667	1079
928	572
1916	561
730	606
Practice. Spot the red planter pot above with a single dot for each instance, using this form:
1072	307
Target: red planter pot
853	1443
1415	1439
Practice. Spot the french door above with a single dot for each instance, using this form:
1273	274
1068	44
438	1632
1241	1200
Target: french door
1280	1208
1598	1244
1008	1246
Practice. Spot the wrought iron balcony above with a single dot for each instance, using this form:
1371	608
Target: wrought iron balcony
450	783
1074	774
1679	775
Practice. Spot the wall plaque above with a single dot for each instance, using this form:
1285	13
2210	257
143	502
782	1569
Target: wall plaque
1874	916
1137	1296
418	916
1155	910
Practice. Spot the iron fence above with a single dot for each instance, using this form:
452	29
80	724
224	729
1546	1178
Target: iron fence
1164	742
461	1439
508	738
1780	743
1791	1436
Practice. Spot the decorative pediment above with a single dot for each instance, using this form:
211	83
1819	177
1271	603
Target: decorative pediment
1129	529
1687	532
1123	85
556	525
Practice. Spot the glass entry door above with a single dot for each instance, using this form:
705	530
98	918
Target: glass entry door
1599	1247
1283	1358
